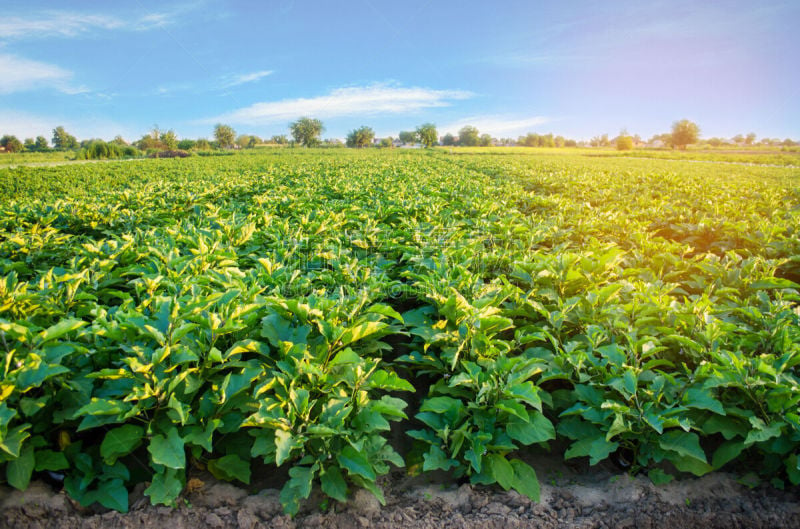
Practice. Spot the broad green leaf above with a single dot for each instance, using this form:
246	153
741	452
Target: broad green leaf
361	331
596	448
684	443
436	459
120	442
111	494
702	399
50	460
499	468
165	487
525	480
659	477
536	430
727	451
169	450
285	442
333	483
356	463
345	356
60	329
19	470
230	467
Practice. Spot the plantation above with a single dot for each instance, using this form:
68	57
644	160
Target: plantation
339	313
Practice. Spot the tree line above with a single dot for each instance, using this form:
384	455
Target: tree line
307	132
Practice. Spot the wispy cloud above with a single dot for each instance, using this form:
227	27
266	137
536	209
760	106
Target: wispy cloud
18	74
375	99
73	24
497	125
27	125
236	80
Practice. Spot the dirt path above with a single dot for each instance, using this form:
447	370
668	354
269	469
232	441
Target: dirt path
571	498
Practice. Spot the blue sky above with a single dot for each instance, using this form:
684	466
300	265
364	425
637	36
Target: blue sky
572	68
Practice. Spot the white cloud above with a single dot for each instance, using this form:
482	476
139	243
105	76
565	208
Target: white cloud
368	100
244	78
25	125
19	74
497	125
73	24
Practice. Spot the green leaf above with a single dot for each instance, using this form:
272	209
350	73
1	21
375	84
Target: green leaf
386	310
50	460
525	480
120	442
659	477
515	409
111	494
168	451
60	329
230	467
284	444
703	400
499	468
333	483
441	405
597	448
19	470
727	451
536	430
165	487
526	392
345	356
684	443
356	463
359	332
436	459
690	464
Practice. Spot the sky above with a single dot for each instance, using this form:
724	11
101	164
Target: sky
576	68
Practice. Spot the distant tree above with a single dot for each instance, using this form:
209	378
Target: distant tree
485	140
408	137
559	141
570	143
169	139
62	140
41	144
119	140
448	140
624	142
279	139
243	140
149	142
788	142
187	144
750	138
738	139
202	145
306	131
360	137
224	135
386	143
427	134
714	142
684	132
11	143
468	136
29	145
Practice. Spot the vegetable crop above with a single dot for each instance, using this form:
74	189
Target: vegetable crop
337	314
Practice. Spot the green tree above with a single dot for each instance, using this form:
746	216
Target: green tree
306	131
360	137
279	139
750	138
468	136
41	144
224	135
29	145
202	145
624	142
684	132
407	137
486	140
11	143
448	140
62	140
427	134
169	139
386	143
186	144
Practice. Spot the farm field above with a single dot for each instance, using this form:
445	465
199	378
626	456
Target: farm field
330	315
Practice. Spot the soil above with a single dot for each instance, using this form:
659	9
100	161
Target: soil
573	496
